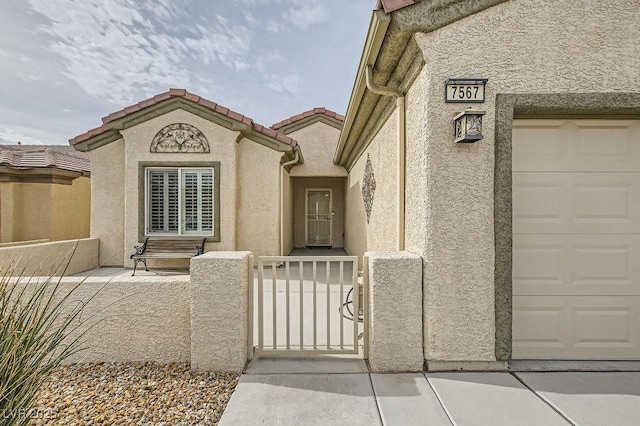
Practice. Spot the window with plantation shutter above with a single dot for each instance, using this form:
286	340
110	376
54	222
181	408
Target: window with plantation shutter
179	201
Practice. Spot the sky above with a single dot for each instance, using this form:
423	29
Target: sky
65	64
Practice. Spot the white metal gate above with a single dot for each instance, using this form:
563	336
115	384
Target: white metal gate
306	305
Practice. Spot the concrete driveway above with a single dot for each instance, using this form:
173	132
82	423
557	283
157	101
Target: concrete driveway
351	396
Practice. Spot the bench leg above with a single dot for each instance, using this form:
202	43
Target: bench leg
135	265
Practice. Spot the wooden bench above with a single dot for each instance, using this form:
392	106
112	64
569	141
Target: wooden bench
166	248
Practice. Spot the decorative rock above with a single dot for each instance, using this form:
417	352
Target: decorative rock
133	394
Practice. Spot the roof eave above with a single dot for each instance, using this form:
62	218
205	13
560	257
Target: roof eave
388	42
307	121
375	36
111	130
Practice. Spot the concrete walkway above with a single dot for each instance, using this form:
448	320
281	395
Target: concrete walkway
304	392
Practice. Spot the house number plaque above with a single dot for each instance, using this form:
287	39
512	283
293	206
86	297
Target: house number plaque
467	90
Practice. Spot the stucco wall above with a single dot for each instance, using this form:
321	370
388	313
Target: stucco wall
395	301
318	143
107	201
258	199
136	319
27	211
380	234
50	258
53	211
223	147
337	185
527	46
220	311
6	212
71	210
287	211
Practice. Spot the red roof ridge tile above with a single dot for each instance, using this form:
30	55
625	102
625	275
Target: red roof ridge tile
305	114
181	93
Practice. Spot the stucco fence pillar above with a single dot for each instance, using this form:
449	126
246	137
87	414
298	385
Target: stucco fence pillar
395	312
219	311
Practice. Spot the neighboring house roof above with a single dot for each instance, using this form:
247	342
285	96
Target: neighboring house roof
306	118
42	163
174	99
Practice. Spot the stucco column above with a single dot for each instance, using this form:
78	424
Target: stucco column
395	316
219	311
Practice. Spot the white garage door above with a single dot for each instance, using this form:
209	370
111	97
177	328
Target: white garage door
576	239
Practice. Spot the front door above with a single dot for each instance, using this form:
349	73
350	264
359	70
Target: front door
318	217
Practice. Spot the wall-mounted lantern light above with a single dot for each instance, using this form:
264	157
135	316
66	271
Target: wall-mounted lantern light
468	126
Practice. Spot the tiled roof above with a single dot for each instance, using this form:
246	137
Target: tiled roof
306	114
391	5
44	156
181	93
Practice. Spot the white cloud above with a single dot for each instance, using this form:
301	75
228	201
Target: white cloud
119	50
306	15
289	83
13	135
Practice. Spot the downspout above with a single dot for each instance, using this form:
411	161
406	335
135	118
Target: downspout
401	186
296	158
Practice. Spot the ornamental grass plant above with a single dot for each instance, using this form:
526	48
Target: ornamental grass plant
41	325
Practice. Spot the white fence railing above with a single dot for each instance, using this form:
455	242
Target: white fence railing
306	305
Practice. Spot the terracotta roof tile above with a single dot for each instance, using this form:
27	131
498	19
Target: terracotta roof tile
162	96
221	109
182	93
130	109
236	116
44	156
311	112
391	5
193	98
207	103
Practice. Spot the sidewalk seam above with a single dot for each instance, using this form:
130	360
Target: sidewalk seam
560	413
375	399
435	392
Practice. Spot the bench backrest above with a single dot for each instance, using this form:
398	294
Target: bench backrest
178	245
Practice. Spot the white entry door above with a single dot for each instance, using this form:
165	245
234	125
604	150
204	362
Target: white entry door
319	216
576	239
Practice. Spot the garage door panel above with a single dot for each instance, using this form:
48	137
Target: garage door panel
581	264
576	145
576	327
576	203
576	239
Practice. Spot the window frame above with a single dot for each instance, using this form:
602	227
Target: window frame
143	198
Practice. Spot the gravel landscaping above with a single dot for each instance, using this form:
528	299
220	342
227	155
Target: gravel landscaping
132	394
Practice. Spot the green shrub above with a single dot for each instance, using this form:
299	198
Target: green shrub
40	326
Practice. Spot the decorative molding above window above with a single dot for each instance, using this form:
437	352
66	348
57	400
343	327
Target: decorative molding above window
368	187
180	137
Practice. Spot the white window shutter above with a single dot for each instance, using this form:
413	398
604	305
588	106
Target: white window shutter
166	188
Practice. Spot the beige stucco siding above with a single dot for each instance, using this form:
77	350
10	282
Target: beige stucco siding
258	199
287	212
107	201
527	46
27	211
380	234
223	149
50	211
318	143
71	210
336	185
134	319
